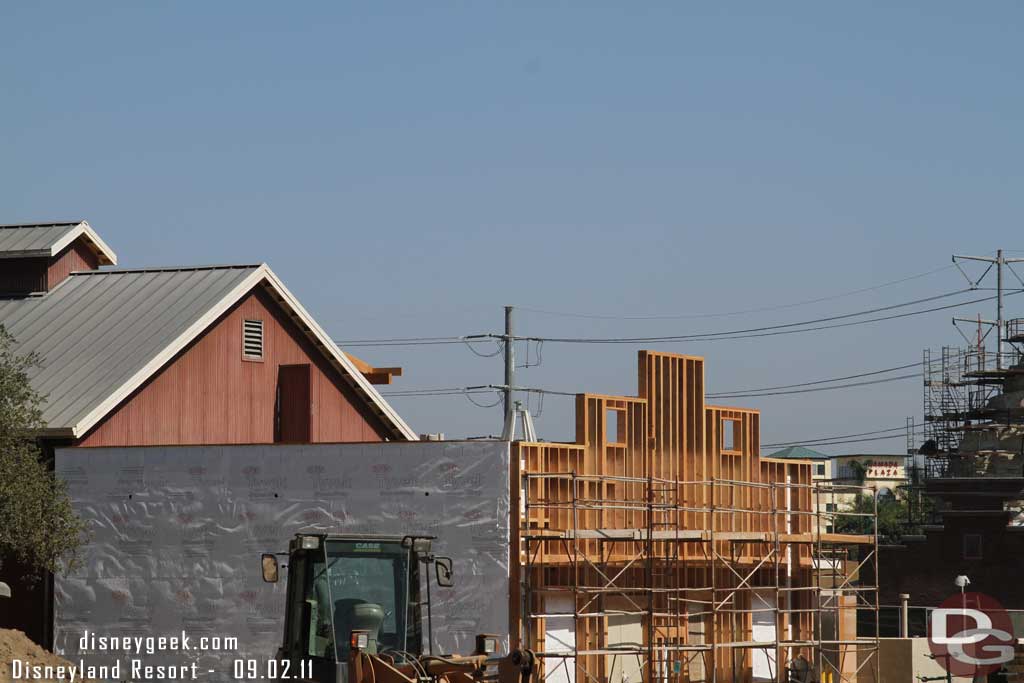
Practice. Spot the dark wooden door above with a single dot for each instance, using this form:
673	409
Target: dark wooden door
294	414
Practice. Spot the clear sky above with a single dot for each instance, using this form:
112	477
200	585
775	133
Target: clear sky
409	168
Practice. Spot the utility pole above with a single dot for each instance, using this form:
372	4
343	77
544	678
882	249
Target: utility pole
999	261
513	408
999	309
510	372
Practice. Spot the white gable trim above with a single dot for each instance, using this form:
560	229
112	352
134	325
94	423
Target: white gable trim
349	370
106	254
135	381
260	274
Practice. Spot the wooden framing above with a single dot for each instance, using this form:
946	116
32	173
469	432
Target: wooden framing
663	519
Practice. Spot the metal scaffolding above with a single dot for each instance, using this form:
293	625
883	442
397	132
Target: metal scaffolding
686	581
958	384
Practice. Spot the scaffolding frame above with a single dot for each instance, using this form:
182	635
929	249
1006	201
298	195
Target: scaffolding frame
676	564
958	383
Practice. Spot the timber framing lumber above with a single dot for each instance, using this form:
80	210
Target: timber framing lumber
373	374
663	518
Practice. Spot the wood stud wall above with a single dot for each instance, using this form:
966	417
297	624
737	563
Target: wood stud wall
661	445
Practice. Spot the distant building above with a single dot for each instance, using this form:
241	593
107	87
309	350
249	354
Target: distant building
822	463
970	532
822	468
885	473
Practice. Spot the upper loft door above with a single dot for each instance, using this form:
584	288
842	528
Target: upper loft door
294	414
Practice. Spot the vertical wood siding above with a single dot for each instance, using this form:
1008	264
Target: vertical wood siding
75	256
208	394
41	274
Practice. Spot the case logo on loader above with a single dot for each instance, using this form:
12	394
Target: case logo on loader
364	547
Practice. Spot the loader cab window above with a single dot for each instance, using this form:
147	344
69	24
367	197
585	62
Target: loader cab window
312	631
357	573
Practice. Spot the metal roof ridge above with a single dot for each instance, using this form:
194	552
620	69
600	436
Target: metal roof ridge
166	269
50	224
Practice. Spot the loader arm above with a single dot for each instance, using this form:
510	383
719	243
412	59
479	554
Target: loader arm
518	666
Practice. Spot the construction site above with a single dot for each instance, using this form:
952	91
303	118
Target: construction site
661	547
658	546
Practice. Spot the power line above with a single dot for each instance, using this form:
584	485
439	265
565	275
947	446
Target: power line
748	333
400	341
531	390
757	332
498	350
801	442
480	389
836	443
764	309
810	390
810	322
469	397
439	391
737	392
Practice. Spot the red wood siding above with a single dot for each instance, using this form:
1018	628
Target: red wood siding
75	256
41	274
209	395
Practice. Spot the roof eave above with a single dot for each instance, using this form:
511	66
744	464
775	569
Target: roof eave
90	419
262	273
360	383
106	255
56	433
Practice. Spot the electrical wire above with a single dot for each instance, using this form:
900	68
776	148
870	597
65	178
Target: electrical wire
802	323
838	436
497	351
814	389
778	329
425	392
450	391
400	341
820	381
835	443
469	397
481	389
747	333
764	309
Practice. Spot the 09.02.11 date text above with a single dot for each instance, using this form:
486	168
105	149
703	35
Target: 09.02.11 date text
272	669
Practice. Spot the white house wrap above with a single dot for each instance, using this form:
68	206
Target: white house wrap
177	534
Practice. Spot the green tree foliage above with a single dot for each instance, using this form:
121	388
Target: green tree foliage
860	470
893	517
37	523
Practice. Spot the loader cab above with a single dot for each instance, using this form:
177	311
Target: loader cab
339	584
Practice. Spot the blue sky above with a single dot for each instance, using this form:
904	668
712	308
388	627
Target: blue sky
409	168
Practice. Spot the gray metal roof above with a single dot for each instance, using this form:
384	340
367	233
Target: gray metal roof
33	238
47	239
98	329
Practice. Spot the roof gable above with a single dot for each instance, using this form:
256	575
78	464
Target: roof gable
49	239
102	334
799	453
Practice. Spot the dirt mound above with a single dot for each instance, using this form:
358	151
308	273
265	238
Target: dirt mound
16	645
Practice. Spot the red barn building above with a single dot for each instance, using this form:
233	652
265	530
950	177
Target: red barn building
171	356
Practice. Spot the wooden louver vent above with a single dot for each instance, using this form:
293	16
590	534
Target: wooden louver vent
252	338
